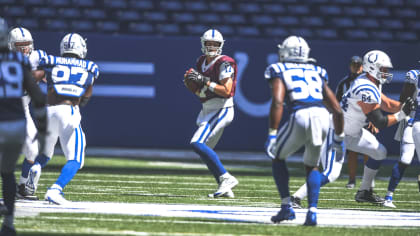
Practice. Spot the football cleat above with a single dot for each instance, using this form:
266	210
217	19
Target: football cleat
22	193
310	219
33	179
388	202
286	213
351	184
56	196
368	196
228	194
7	231
226	184
295	202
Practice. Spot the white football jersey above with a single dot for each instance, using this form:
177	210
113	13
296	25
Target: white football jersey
35	57
363	90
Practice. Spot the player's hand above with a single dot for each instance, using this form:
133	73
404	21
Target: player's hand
339	146
408	106
197	77
372	128
271	140
94	69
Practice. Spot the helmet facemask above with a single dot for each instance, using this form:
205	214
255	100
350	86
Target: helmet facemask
377	64
20	39
212	50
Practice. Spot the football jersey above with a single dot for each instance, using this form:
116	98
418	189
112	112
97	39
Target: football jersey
218	69
68	76
361	90
412	77
304	83
12	72
35	58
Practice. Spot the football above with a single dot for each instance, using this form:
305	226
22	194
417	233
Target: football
190	84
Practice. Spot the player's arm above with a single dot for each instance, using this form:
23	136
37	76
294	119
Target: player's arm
38	75
333	106
389	105
223	89
85	98
278	91
407	91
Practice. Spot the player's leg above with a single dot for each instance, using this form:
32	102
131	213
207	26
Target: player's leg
352	168
210	130
73	144
13	136
367	144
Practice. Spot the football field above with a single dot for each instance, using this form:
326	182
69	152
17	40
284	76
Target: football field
157	196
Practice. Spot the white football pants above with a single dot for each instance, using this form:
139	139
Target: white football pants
367	144
30	147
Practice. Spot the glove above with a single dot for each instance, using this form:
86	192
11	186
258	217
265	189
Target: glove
94	69
339	146
408	106
197	77
271	140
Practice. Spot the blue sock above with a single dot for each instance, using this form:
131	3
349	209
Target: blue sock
313	182
25	168
396	176
281	177
324	180
42	160
9	191
373	164
67	173
210	158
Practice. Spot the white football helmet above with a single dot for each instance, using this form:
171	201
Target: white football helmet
215	36
373	61
3	33
294	49
73	43
21	35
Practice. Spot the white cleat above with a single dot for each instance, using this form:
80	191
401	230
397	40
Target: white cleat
388	203
228	194
227	182
33	178
56	196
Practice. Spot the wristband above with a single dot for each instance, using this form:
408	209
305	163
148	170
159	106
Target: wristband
399	115
212	86
272	131
338	137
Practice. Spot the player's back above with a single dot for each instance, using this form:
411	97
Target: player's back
361	90
13	67
68	76
303	81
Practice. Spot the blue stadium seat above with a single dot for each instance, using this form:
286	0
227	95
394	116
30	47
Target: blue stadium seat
348	2
415	24
141	28
210	18
354	11
247	31
365	2
406	36
288	20
171	5
84	3
226	30
298	9
97	14
155	16
405	13
392	24
195	29
263	19
343	22
69	13
128	15
169	28
57	24
379	12
317	1
356	34
393	3
60	3
330	10
303	32
185	17
367	23
234	19
29	2
196	6
108	26
312	21
414	3
274	8
326	33
115	4
382	35
276	31
82	25
142	5
249	7
221	7
44	12
28	23
15	11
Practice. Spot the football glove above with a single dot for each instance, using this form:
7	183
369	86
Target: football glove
271	140
197	77
408	106
339	146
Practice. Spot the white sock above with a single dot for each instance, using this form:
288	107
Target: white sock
302	192
368	176
22	180
285	201
57	186
389	193
313	209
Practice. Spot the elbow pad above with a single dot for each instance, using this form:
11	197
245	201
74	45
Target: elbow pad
377	118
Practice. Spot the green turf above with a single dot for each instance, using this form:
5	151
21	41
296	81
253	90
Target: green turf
189	182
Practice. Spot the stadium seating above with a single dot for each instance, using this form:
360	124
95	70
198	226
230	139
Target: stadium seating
379	20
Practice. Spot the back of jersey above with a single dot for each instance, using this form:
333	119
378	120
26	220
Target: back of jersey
304	83
68	76
12	71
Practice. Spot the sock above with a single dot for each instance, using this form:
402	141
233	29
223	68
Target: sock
42	160
314	184
9	221
9	193
281	177
25	169
302	192
67	173
210	158
396	176
324	180
369	173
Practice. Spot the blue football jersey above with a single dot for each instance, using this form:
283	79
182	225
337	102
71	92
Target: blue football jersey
304	83
68	76
412	77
